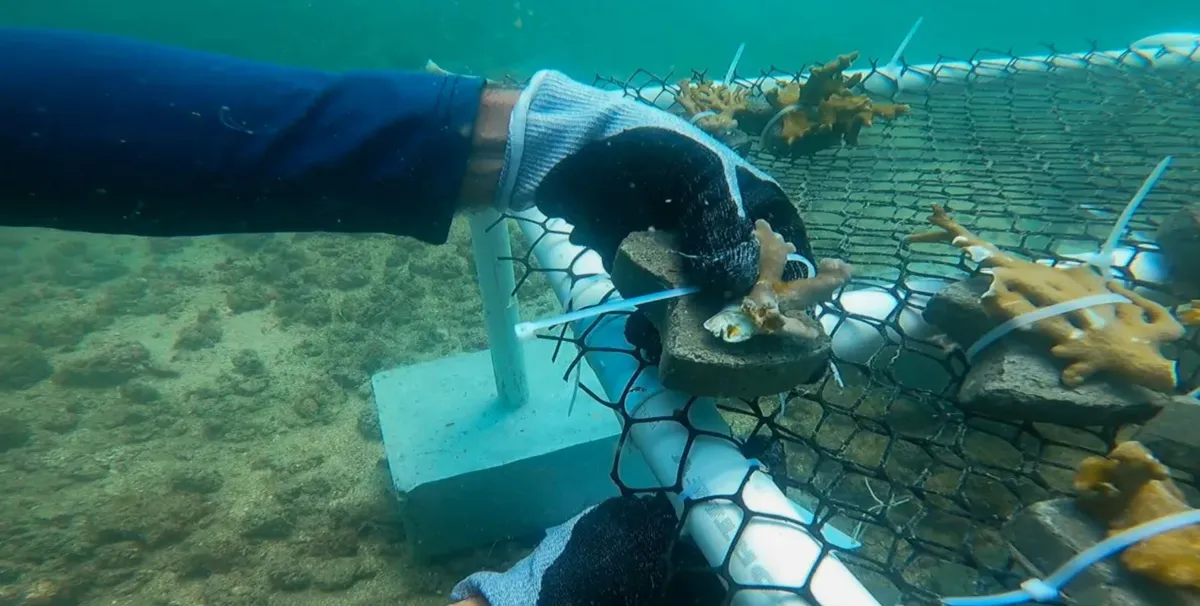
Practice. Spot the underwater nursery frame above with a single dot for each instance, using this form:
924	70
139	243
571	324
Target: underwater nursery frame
933	453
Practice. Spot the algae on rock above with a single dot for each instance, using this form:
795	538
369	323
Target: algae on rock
22	365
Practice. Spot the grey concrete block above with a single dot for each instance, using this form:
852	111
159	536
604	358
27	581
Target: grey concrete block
1045	535
693	360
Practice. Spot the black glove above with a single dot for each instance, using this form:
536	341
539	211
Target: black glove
611	165
648	177
613	554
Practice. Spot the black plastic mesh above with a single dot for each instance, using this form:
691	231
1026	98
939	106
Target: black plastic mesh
1030	161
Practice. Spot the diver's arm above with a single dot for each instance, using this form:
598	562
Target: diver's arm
112	135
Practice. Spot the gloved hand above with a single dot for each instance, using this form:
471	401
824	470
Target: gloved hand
611	165
613	554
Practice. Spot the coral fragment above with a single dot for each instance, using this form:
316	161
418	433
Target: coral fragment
720	102
1191	315
1122	339
771	296
1130	487
822	111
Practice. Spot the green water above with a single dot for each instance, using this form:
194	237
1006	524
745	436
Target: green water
209	397
586	37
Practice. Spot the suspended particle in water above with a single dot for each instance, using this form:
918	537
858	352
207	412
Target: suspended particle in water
228	122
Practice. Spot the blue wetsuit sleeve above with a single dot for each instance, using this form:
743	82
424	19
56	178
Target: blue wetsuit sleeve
111	135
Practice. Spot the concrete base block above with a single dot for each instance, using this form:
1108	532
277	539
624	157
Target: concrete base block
1046	535
693	360
1174	435
472	470
1016	378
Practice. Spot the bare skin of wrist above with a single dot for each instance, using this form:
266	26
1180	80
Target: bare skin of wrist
487	148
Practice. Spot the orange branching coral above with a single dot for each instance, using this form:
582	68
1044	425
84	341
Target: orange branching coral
723	101
824	110
1191	315
763	304
1118	338
1130	487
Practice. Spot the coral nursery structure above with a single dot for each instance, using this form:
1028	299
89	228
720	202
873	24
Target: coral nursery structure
1121	339
1130	487
822	111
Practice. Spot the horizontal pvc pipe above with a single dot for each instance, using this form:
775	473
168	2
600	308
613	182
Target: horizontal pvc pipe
1182	48
768	551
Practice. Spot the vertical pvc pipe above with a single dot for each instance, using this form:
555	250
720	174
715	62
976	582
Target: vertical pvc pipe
492	247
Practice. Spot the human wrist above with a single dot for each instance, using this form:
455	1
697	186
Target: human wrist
489	138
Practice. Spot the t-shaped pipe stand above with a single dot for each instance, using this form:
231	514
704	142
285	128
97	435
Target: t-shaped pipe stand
480	444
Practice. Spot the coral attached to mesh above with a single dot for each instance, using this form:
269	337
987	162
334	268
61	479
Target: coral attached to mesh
822	111
1130	487
1122	339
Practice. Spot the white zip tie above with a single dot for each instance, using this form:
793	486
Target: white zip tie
1103	262
837	375
904	44
526	330
737	58
1024	320
700	115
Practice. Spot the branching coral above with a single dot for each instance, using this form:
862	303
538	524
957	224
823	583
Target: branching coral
1191	315
822	111
719	102
1122	339
771	296
1130	487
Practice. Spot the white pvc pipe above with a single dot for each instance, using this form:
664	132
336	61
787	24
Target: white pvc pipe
493	251
768	551
1181	49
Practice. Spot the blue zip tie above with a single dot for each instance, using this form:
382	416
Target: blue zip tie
1049	590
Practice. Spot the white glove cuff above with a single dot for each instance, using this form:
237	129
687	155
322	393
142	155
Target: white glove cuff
556	116
553	118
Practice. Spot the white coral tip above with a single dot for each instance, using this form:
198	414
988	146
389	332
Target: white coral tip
978	253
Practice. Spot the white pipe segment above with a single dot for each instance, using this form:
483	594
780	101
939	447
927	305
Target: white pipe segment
768	551
1158	51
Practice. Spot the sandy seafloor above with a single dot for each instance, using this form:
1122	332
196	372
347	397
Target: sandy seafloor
189	421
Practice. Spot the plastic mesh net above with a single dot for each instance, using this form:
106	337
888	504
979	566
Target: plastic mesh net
1037	163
